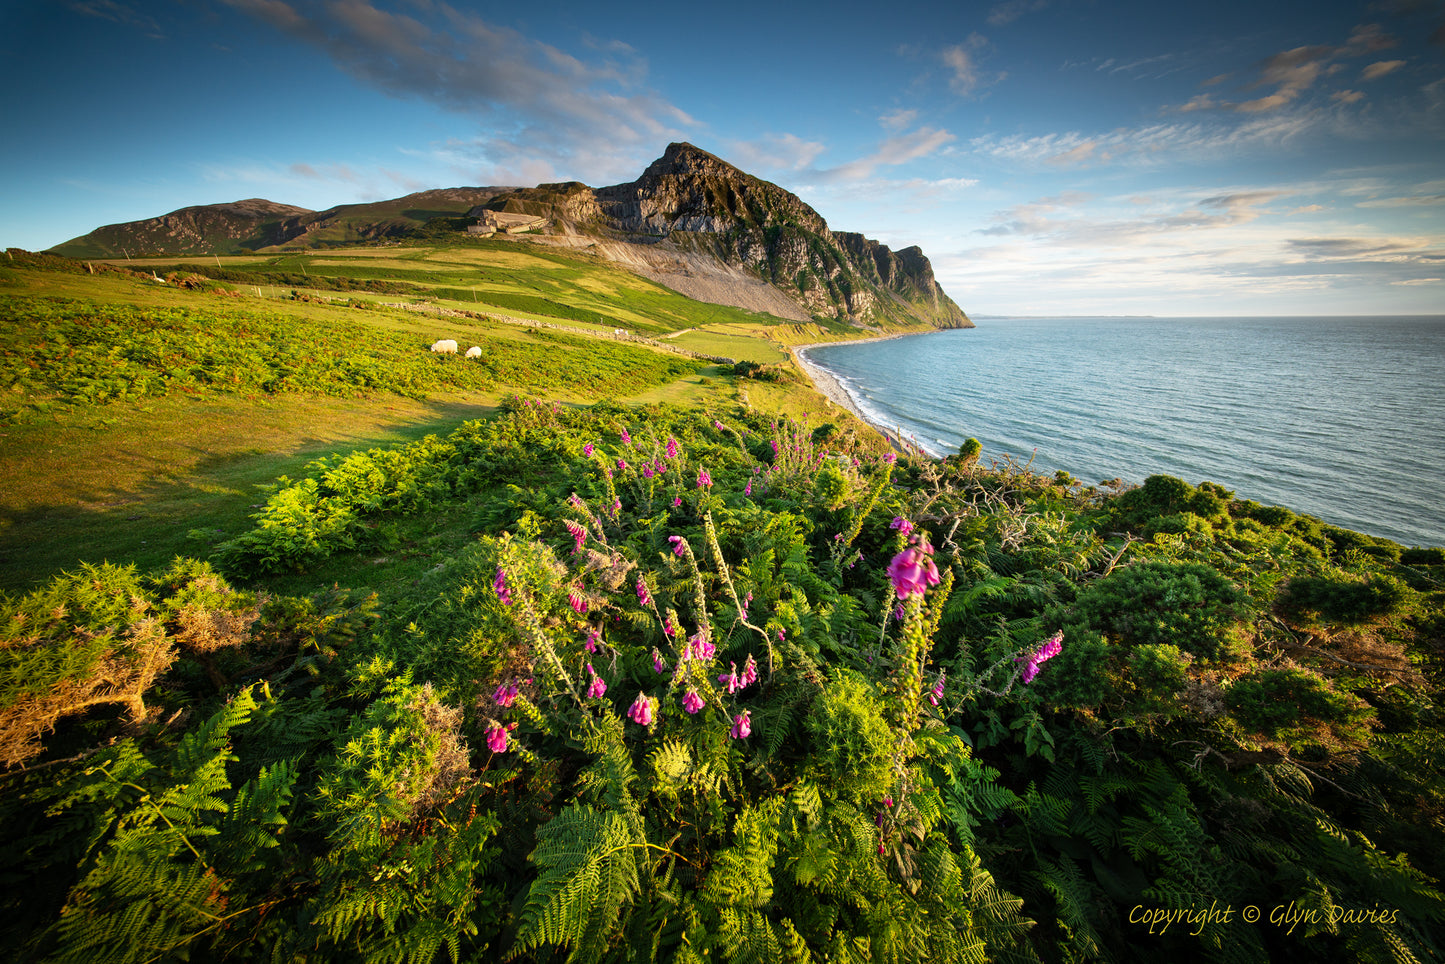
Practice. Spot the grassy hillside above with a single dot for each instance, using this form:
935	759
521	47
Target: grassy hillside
137	419
448	671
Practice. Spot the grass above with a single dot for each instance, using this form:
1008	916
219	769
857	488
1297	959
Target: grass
508	277
145	479
145	483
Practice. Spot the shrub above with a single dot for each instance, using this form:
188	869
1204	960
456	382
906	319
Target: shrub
1290	702
1342	599
1188	605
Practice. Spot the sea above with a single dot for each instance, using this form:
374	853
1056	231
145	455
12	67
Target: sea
1339	418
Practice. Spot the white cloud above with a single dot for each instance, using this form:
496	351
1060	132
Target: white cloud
544	108
899	149
1380	69
774	152
962	62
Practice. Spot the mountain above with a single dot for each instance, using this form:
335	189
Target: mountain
207	229
242	227
691	221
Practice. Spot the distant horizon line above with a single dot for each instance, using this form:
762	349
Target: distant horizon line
1081	317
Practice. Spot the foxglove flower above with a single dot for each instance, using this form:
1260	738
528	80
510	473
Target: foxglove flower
593	638
750	672
626	439
672	448
742	725
901	524
579	535
497	739
622	465
578	602
647	470
677	502
692	702
679	545
659	664
912	571
700	648
1050	648
597	687
730	681
703	479
506	694
643	596
748	489
499	584
937	693
587	450
890	458
641	710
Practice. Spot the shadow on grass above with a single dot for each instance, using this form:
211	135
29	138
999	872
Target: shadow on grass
185	496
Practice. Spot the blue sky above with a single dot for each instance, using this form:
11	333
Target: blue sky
1049	156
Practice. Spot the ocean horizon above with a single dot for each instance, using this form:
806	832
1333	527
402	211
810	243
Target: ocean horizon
1339	417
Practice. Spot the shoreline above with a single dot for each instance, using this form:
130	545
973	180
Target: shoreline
828	385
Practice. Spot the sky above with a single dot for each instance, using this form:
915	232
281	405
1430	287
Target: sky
1051	157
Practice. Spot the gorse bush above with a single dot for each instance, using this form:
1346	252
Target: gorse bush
711	686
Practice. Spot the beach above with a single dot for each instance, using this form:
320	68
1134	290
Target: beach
828	385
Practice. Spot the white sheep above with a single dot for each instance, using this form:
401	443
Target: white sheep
446	346
474	352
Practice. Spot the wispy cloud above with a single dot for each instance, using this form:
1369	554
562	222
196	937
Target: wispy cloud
1289	74
120	13
774	152
965	73
899	149
1007	12
1380	69
544	107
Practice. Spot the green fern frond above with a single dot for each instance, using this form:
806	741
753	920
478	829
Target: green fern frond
587	875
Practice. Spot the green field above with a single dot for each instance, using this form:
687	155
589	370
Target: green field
138	419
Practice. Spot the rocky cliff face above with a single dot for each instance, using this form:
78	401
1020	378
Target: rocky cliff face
697	203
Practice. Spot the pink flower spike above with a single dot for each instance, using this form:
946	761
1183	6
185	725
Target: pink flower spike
643	596
742	726
647	470
912	572
641	711
597	687
506	694
750	672
622	465
901	524
703	479
578	602
497	739
749	489
677	502
692	702
679	545
626	439
499	585
587	450
730	681
659	664
672	448
593	638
